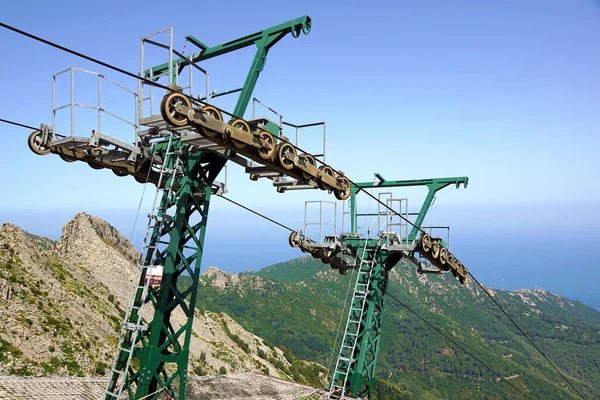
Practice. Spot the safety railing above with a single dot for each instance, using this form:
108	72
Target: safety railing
98	107
173	74
393	214
329	225
297	129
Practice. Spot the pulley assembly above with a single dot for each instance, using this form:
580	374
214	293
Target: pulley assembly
262	146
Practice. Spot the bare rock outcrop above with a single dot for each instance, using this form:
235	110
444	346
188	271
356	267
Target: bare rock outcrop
62	304
97	247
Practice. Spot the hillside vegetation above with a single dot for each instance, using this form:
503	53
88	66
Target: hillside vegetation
62	305
298	305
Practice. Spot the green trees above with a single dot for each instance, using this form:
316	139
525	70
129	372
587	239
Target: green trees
299	304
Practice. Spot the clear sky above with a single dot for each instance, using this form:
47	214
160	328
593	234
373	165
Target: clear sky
506	93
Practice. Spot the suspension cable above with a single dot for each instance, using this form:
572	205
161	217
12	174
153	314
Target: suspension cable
257	213
472	276
456	344
156	84
137	214
17	124
525	335
436	329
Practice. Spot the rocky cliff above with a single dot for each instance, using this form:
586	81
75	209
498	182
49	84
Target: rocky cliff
62	303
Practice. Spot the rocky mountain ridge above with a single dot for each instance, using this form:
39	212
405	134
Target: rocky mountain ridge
62	303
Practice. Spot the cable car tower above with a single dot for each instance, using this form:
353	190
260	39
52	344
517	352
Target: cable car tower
396	237
181	149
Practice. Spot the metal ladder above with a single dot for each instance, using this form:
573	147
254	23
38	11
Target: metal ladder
132	324
353	324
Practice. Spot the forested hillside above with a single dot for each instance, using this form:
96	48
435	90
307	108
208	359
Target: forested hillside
298	305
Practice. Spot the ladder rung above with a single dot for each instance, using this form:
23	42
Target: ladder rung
134	327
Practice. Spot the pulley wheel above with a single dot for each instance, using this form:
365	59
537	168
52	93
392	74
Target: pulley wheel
267	152
425	242
118	172
326	256
293	240
168	112
139	179
335	263
325	170
244	126
443	259
307	159
94	165
286	154
435	250
342	194
35	143
213	112
67	158
343	271
451	260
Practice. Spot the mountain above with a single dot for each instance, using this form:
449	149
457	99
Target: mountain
298	304
62	304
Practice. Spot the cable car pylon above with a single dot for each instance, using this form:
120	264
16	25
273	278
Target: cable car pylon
182	149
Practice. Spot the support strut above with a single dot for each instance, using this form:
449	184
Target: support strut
162	347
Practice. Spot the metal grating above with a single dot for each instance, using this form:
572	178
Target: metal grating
73	388
69	388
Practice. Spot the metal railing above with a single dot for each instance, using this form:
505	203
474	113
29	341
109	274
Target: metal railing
171	74
320	223
297	128
98	106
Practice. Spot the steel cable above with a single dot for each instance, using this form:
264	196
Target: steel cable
456	344
525	335
475	279
153	83
17	124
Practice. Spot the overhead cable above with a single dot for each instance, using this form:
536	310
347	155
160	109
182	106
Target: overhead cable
156	84
456	344
525	335
17	124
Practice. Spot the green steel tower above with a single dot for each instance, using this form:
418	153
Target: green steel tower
372	258
181	149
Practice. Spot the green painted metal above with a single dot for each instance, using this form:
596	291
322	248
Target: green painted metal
263	40
363	356
433	185
361	368
161	352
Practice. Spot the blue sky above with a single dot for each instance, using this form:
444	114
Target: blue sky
506	93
